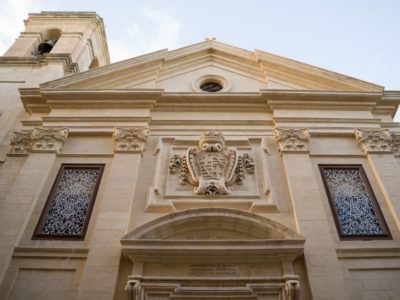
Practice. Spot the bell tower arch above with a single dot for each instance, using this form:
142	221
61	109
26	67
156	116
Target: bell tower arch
78	34
53	45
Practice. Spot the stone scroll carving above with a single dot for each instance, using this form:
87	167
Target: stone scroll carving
21	143
133	290
292	139
211	167
292	289
374	140
130	139
48	139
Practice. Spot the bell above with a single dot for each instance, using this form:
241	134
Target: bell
46	46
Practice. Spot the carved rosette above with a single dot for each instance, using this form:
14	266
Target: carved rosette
395	143
292	139
211	168
48	139
374	140
130	139
21	143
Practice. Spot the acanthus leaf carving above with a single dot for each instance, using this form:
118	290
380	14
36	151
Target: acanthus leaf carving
130	139
21	143
374	140
175	164
211	167
395	142
292	139
49	139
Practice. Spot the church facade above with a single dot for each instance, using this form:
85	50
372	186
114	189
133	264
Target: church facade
205	172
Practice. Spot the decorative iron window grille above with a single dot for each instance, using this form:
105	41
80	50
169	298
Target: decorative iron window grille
356	212
69	205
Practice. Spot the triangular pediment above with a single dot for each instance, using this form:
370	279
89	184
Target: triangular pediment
241	70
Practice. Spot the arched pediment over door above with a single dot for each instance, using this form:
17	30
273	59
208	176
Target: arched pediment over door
216	251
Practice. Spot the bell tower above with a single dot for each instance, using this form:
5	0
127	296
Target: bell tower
53	45
54	34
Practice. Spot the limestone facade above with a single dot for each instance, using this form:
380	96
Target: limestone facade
282	184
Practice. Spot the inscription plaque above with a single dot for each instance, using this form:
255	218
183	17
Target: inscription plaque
208	270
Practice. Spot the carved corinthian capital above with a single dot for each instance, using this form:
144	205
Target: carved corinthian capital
292	139
374	140
21	143
130	139
395	143
49	139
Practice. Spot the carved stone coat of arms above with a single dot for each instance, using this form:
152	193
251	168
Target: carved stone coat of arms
211	167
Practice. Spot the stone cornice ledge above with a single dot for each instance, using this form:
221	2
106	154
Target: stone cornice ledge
65	58
367	252
50	252
296	94
38	100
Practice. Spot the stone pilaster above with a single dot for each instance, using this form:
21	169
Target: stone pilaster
325	276
41	145
101	269
380	145
21	201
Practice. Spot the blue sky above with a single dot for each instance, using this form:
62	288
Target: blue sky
353	37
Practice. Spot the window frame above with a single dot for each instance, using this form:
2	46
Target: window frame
386	235
37	235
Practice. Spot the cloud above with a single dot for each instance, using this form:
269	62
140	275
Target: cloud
155	29
12	14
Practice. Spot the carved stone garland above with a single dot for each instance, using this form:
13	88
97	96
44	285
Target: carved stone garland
374	140
130	139
292	139
211	167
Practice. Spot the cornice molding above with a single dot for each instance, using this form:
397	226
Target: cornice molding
299	67
104	70
261	64
65	58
